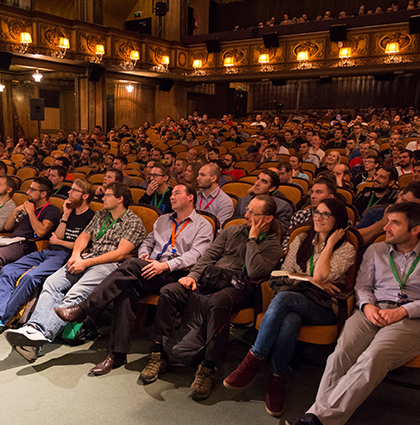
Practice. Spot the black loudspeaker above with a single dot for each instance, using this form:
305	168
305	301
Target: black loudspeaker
166	84
5	60
414	24
37	110
325	80
271	39
338	32
278	82
160	8
213	46
95	73
385	77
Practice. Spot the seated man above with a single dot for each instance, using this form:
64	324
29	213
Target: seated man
307	156
41	264
62	161
158	193
211	197
383	333
406	162
270	154
296	163
31	159
160	262
112	175
416	172
249	251
179	170
267	183
115	233
95	165
7	206
230	161
147	171
56	175
120	163
381	191
35	218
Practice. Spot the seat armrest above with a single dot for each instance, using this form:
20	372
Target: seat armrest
343	300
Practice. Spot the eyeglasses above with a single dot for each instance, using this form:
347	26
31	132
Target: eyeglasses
32	189
107	195
75	190
156	175
250	212
324	215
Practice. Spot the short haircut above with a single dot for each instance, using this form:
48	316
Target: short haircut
272	146
65	161
417	164
411	212
164	168
94	160
87	188
119	176
286	166
393	173
121	190
215	150
62	172
331	183
173	154
303	142
45	185
377	158
414	188
298	156
234	158
410	153
183	160
123	159
158	150
108	145
190	191
274	177
10	182
214	171
3	166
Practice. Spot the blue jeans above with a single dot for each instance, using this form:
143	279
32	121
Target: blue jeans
287	312
63	289
42	265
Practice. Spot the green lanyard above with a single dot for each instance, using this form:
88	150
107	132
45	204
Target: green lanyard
413	266
103	229
371	200
155	202
311	263
58	190
4	204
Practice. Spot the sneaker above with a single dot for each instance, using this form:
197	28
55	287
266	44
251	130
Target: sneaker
29	353
154	368
203	383
25	336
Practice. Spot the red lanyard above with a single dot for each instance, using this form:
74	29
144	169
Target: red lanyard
45	206
201	201
174	236
402	171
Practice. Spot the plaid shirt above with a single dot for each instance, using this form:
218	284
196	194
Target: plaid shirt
298	217
128	227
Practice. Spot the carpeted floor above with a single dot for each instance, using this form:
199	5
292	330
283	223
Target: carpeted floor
57	389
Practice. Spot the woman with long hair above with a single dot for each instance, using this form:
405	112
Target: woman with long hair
321	256
191	173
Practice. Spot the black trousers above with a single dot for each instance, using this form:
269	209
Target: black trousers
173	300
123	287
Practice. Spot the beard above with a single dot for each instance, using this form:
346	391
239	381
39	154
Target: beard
76	203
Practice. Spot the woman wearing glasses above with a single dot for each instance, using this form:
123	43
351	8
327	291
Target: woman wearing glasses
321	256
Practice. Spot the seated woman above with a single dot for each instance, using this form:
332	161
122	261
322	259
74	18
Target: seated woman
323	257
191	173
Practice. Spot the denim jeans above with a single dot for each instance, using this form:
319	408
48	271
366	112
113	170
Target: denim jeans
39	266
59	291
287	312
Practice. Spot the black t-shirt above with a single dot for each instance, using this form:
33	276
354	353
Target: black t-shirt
63	191
75	225
48	212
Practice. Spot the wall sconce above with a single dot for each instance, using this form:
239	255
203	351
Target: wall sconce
229	65
345	55
64	45
2	87
197	64
303	57
37	76
163	66
99	52
129	88
263	60
134	57
392	49
25	41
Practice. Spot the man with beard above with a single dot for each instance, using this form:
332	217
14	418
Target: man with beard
35	218
380	192
7	206
41	264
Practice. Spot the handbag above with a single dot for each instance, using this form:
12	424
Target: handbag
214	279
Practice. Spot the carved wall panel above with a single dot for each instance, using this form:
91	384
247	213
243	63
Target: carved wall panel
407	41
155	53
275	54
240	56
11	27
315	48
208	59
123	48
49	35
359	45
88	42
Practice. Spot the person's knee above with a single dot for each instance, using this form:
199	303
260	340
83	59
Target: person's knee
170	290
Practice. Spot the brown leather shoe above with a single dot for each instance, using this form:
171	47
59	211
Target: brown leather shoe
112	361
71	314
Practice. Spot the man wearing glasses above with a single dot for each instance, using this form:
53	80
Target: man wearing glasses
35	218
158	193
115	234
34	268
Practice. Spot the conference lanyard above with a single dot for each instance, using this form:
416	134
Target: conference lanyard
105	229
4	204
201	201
155	202
402	171
402	284
371	200
45	206
58	190
173	237
311	264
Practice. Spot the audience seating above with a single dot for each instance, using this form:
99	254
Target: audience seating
269	164
239	189
136	193
58	201
292	192
405	179
96	205
347	194
25	184
213	220
248	179
233	221
19	197
303	183
361	186
26	173
97	178
147	213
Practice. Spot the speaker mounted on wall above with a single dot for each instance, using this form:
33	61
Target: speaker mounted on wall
213	45
37	109
276	82
414	24
95	73
166	84
338	32
161	8
271	40
5	60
